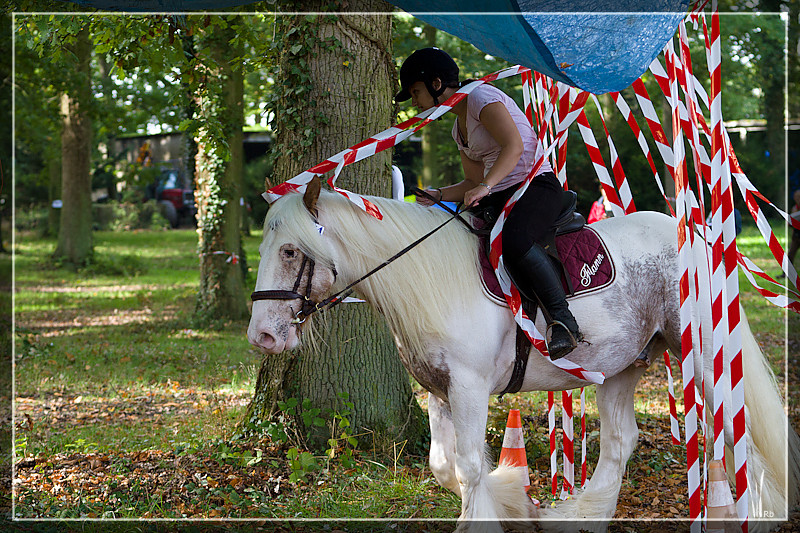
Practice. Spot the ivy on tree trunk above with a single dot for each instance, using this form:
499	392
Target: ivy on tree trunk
334	87
218	172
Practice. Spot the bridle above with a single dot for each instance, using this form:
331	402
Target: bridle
309	306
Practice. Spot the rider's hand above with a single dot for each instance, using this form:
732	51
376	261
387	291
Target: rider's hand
435	193
474	195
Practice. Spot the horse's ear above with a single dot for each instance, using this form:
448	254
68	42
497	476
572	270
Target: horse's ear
312	195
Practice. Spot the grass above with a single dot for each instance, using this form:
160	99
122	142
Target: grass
98	334
116	388
110	370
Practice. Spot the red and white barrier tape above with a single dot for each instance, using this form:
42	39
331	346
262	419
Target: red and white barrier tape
567	445
673	410
687	297
551	425
378	143
721	167
599	165
583	436
623	188
623	107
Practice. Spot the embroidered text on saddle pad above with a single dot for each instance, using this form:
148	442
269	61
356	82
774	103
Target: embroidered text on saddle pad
585	259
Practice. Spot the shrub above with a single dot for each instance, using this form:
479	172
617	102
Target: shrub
129	216
31	218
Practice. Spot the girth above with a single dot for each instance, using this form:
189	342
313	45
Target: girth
521	352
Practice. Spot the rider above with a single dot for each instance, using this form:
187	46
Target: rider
498	148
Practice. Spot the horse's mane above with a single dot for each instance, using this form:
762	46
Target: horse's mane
417	293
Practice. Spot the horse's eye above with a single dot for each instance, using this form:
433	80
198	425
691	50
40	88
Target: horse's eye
288	252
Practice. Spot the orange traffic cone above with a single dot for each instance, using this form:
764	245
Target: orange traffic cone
513	452
721	511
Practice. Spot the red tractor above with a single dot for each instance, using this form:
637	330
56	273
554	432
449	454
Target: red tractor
175	197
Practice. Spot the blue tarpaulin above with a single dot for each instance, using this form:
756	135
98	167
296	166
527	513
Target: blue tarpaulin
597	45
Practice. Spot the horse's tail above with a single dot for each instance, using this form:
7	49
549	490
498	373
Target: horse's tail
510	501
773	458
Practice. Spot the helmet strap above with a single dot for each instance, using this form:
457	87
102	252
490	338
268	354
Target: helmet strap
434	93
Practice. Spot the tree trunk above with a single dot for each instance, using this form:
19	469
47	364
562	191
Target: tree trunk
75	229
350	90
218	186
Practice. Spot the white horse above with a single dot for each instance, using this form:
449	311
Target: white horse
459	343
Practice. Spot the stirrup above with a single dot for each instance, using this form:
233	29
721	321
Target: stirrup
574	340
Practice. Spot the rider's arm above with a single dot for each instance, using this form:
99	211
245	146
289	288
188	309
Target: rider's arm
498	122
473	175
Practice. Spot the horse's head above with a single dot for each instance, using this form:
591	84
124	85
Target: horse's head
294	270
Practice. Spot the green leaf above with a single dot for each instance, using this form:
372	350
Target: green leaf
186	124
291	403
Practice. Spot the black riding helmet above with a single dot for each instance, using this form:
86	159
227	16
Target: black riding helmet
426	65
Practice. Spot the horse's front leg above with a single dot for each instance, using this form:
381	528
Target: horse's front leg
469	401
443	443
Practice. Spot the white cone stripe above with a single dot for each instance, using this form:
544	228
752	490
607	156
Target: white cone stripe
719	495
513	438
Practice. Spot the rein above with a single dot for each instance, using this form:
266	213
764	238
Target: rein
309	306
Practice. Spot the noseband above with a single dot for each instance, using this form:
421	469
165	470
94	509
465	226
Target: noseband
307	306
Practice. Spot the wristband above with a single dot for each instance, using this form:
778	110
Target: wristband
487	187
441	194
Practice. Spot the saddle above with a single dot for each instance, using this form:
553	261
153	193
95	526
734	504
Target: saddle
575	249
578	254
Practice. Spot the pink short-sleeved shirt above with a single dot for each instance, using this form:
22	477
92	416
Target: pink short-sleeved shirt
481	145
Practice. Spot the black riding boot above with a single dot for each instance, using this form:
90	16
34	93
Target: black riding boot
534	275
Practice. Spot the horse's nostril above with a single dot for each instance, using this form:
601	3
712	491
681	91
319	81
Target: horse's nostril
266	340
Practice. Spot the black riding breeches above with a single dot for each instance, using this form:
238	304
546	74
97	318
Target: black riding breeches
532	216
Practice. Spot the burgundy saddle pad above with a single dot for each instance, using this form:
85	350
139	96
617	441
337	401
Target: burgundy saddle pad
584	256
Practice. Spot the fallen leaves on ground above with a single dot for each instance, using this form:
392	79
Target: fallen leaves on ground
146	484
64	410
173	484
